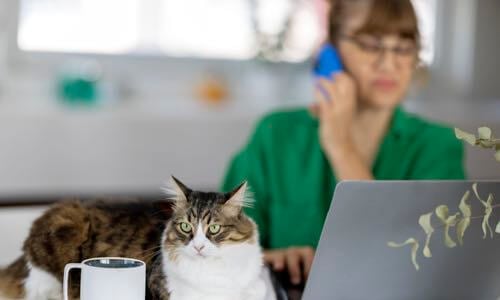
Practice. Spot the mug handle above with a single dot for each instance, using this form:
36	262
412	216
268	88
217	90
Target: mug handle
68	268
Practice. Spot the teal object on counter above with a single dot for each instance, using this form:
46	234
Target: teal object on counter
78	90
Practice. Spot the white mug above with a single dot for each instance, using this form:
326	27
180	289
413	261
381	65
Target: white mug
105	278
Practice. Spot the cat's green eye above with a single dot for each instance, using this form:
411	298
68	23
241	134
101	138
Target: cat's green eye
214	228
185	227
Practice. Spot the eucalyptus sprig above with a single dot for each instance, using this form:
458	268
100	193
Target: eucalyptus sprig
461	220
484	139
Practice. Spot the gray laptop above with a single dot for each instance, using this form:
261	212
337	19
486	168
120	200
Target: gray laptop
353	260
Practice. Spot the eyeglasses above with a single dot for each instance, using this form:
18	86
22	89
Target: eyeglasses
375	47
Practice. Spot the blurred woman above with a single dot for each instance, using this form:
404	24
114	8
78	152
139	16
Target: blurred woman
356	130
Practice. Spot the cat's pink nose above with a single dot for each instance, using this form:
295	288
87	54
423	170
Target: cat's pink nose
199	248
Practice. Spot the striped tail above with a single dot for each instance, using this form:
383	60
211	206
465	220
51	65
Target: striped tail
12	280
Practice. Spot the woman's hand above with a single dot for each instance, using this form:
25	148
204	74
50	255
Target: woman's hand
296	260
335	107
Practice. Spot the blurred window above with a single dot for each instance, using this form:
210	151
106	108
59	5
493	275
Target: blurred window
427	15
279	30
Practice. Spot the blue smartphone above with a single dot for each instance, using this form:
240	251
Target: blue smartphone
326	65
327	62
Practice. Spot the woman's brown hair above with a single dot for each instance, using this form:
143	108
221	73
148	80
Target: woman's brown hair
384	17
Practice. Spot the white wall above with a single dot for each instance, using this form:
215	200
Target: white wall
486	83
15	224
118	151
3	41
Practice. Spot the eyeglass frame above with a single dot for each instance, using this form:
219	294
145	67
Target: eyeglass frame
381	49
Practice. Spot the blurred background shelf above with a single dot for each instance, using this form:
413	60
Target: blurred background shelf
136	148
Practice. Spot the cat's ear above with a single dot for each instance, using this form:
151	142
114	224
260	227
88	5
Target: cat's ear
237	199
177	192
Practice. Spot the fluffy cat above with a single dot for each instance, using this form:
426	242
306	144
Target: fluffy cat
197	245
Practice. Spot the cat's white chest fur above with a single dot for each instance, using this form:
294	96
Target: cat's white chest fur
238	273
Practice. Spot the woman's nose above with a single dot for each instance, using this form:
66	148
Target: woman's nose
387	61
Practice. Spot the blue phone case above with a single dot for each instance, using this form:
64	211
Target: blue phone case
327	62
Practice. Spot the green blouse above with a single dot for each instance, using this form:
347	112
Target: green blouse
292	181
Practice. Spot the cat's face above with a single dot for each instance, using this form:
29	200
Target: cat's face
205	225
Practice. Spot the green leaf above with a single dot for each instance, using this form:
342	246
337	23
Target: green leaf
486	144
448	221
485	140
461	227
414	248
464	207
497	228
465	220
442	213
488	210
468	137
484	133
474	189
425	223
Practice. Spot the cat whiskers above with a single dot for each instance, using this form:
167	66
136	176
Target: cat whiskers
149	253
147	250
